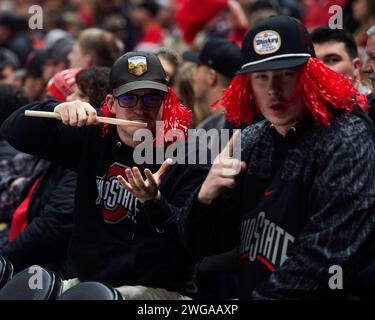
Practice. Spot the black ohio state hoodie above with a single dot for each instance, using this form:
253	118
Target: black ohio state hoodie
115	238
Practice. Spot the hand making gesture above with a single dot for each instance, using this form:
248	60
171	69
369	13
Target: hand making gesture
147	189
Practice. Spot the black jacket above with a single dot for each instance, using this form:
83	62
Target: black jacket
45	240
7	152
305	202
115	239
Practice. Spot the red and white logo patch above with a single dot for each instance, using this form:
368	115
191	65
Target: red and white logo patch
118	203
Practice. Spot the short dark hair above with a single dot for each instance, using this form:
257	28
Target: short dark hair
150	6
94	83
11	98
170	55
325	34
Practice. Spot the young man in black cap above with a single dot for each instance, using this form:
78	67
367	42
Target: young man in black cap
302	201
217	64
129	242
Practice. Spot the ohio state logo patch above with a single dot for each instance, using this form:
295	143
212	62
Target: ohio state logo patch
118	203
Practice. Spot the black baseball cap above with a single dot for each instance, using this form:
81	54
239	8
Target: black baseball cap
34	63
137	70
8	58
60	50
220	54
277	42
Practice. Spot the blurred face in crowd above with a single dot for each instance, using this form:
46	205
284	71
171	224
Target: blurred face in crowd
77	59
50	68
6	75
360	10
169	67
166	17
272	91
129	106
203	79
369	66
140	16
334	55
34	88
5	35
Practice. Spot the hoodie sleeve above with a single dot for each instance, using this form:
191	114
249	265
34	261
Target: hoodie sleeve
46	138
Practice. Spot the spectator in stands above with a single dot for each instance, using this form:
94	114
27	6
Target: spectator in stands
95	47
11	98
130	240
144	16
62	85
217	64
170	61
13	36
37	197
337	49
92	85
364	14
184	87
34	82
56	58
8	64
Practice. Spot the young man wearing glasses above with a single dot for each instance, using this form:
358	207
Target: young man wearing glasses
127	239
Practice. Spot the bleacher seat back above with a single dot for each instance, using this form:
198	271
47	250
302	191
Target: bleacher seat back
33	283
6	271
91	290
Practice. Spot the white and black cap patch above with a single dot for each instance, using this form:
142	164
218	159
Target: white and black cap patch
266	42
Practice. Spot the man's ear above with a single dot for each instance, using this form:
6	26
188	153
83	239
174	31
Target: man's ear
110	102
212	77
357	68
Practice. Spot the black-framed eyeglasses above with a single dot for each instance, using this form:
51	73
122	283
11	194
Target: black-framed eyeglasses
151	100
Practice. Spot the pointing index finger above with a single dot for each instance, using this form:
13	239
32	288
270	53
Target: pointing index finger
228	150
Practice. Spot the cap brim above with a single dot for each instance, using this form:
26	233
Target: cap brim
191	56
135	85
278	64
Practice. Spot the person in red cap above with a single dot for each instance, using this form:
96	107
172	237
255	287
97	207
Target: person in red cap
62	84
128	239
300	206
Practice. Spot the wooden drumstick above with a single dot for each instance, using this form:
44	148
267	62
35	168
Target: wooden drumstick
54	115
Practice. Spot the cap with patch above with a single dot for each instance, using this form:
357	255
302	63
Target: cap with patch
278	42
137	70
219	54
